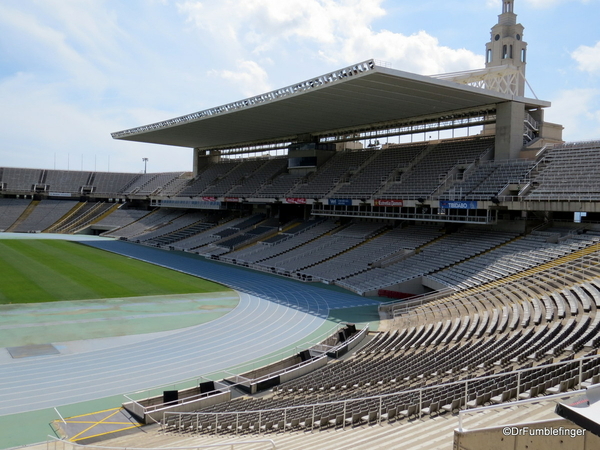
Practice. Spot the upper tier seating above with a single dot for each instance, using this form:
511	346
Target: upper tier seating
248	186
149	183
69	181
332	172
426	175
378	170
207	177
280	186
112	182
244	169
489	179
568	172
20	179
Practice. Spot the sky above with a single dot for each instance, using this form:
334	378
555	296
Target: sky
73	71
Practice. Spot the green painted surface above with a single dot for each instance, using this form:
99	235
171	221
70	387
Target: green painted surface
36	271
34	323
33	427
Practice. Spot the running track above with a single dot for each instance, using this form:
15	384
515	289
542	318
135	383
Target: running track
273	313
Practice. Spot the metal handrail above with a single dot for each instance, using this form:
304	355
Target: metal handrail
421	390
517	404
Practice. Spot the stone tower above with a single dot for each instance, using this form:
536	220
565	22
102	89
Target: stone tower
506	47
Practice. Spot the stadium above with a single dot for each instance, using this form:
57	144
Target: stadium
366	259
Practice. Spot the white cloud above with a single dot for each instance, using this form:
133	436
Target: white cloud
578	110
588	58
547	4
338	32
42	125
249	78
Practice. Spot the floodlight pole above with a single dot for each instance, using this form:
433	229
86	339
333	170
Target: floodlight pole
145	162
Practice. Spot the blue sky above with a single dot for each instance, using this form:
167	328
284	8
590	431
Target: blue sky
73	71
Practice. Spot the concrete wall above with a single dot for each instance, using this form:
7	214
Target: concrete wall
520	437
510	117
188	407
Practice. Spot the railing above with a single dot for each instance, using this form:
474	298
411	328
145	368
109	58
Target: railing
345	406
516	404
487	219
59	444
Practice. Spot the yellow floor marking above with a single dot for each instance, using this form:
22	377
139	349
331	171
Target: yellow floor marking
91	414
105	433
97	423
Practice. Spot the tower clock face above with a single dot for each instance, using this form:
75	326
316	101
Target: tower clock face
518	37
497	37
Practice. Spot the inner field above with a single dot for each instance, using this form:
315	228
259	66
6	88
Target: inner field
59	291
38	271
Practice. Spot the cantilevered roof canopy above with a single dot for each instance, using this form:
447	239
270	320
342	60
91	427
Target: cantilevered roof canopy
357	96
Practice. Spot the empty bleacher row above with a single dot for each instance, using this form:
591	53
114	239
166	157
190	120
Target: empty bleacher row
442	253
11	210
87	213
450	169
148	222
438	160
76	182
568	172
490	179
449	358
44	215
511	258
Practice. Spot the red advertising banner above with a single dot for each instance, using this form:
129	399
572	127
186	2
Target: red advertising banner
388	202
209	199
296	201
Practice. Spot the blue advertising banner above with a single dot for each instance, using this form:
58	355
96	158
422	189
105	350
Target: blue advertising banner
340	201
458	204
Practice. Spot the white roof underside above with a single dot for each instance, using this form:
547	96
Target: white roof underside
358	96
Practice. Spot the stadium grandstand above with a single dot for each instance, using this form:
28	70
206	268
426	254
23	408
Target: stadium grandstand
448	199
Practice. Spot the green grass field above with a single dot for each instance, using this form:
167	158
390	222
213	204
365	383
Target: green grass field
34	271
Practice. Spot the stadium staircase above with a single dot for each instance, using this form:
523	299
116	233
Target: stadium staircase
71	213
405	170
89	217
350	177
66	218
24	216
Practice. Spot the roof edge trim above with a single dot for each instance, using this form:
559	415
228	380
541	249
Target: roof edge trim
294	89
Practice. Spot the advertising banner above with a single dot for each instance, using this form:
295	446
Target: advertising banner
458	204
296	201
389	202
340	201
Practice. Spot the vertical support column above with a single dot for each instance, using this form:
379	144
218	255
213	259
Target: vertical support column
510	122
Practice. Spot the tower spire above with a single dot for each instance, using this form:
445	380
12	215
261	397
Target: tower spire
506	47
